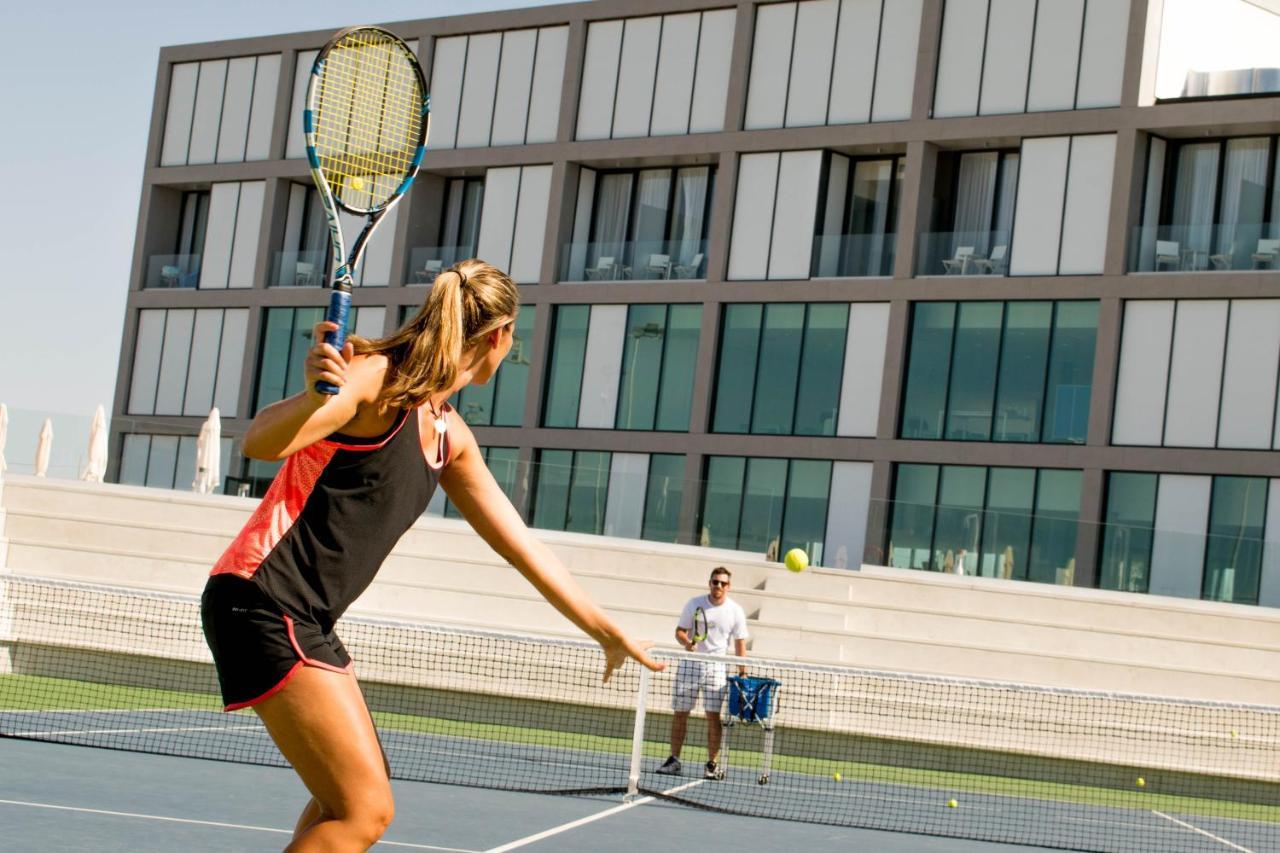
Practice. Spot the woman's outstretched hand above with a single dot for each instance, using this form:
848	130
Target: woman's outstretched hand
618	649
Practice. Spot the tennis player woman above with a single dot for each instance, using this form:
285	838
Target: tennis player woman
359	469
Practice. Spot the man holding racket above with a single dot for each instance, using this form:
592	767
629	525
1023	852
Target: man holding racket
707	624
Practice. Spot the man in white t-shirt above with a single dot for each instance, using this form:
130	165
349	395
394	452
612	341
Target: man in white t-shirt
724	620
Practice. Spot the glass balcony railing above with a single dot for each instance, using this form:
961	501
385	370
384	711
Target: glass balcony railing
300	269
853	255
634	259
173	271
963	253
1205	248
427	262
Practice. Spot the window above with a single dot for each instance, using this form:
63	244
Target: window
304	259
182	268
664	494
286	339
1233	550
972	214
1000	371
859	216
1129	534
767	506
780	368
501	402
1017	523
166	461
459	231
186	361
572	490
568	350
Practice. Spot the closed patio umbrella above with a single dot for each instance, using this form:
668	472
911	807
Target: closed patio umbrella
44	448
95	470
208	449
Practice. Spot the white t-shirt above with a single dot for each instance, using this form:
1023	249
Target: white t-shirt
725	622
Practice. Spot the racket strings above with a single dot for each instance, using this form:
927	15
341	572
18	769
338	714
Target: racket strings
368	118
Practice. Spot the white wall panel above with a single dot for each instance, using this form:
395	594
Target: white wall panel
262	113
479	84
1249	376
146	362
711	80
896	63
863	369
215	263
446	90
854	75
173	361
202	367
770	64
602	365
1195	373
233	132
531	224
582	222
1151	204
847	511
370	321
1087	208
1055	56
1106	31
1010	26
177	118
599	80
832	222
1037	223
624	509
1144	372
810	84
204	125
376	264
791	250
964	24
498	216
548	80
1182	517
639	63
515	77
673	86
244	252
753	216
226	393
1269	589
296	145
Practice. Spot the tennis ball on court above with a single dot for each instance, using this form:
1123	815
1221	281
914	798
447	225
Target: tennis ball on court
797	560
1235	733
951	804
836	776
1141	783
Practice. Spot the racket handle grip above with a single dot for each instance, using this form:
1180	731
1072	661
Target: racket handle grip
339	307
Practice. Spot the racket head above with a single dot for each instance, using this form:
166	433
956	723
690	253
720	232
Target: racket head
699	625
366	119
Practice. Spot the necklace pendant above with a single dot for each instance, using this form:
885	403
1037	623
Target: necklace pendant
441	425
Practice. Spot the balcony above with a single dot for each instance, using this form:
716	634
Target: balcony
963	253
853	255
1205	248
634	260
300	269
427	262
173	271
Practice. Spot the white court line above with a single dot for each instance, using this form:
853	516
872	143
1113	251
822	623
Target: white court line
1202	832
218	824
136	731
556	830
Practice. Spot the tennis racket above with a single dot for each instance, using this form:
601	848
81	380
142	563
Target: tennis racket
699	625
365	125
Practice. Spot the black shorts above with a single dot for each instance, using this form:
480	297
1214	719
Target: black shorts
256	646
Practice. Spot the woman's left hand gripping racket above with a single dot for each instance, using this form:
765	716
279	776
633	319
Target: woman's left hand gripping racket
366	124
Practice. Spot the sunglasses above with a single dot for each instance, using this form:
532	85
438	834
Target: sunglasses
719	583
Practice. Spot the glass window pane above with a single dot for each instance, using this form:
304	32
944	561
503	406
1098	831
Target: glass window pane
958	528
568	349
513	376
928	369
1129	532
1006	530
915	492
1006	196
653	196
867	249
1195	190
762	506
612	213
504	464
300	341
778	369
663	495
475	403
133	461
589	492
688	217
722	501
675	400
551	500
973	370
1066	404
1244	199
805	522
163	461
641	363
1024	351
821	368
469	231
1053	537
1233	557
735	382
274	364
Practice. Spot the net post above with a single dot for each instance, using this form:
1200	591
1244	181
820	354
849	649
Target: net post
637	734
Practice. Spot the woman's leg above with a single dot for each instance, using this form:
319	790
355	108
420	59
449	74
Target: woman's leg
320	722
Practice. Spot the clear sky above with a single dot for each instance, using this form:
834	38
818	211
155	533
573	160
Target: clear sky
82	80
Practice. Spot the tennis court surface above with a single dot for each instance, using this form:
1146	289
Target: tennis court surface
481	728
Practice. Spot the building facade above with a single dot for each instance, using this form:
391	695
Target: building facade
981	286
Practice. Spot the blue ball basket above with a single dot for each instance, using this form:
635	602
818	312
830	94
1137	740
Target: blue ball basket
752	699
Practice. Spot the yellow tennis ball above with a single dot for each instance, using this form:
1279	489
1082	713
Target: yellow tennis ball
797	560
1235	733
836	776
951	804
1141	783
357	183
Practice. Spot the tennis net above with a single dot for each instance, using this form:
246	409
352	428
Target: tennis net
126	669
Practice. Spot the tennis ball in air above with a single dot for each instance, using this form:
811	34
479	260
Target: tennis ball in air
836	776
1141	783
951	804
797	560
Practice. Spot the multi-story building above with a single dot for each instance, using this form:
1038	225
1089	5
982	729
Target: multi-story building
981	286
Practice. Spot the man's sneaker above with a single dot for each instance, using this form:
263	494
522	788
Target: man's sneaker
713	771
670	767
